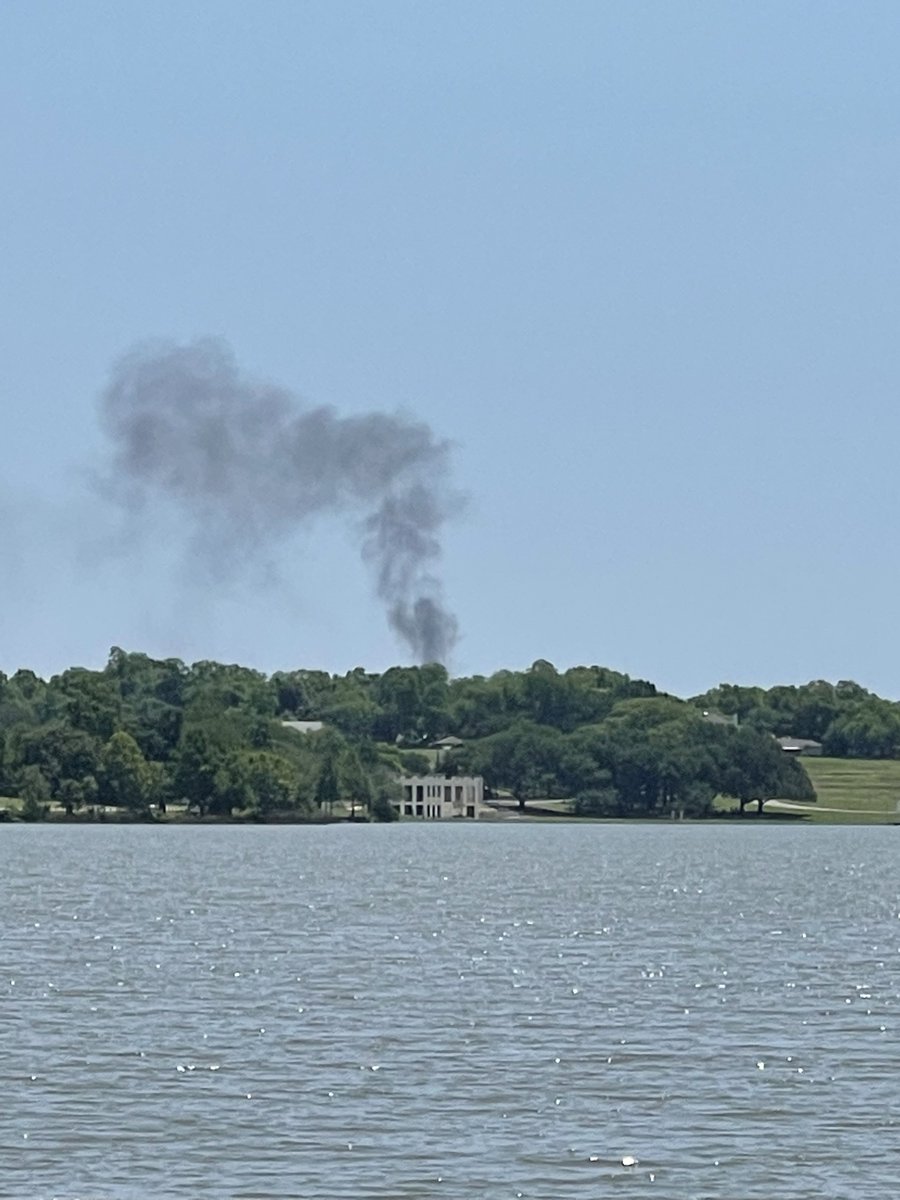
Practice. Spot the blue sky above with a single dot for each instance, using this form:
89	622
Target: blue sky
638	260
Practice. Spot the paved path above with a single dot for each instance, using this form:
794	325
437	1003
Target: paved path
795	806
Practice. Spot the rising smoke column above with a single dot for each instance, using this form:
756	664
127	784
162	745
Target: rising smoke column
248	463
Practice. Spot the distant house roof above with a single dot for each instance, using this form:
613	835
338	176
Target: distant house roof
795	745
304	726
446	743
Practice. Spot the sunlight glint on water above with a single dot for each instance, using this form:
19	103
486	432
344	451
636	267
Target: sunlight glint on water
450	1011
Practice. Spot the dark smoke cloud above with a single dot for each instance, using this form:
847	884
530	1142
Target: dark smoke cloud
246	463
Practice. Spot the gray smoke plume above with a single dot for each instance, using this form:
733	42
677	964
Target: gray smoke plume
246	463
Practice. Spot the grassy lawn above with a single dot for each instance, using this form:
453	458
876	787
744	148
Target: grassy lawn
869	788
857	790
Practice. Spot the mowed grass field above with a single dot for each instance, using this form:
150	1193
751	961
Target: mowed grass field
863	789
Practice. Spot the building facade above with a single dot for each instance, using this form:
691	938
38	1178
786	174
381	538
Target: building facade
436	797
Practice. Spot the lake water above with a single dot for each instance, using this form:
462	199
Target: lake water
450	1011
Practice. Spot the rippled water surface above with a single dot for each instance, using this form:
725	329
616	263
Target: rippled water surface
450	1010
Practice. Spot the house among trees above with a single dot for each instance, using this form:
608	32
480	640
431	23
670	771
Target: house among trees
304	726
807	747
444	746
447	743
436	797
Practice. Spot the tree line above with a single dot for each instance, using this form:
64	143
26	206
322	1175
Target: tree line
144	733
848	720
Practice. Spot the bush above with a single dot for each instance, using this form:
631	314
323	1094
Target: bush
32	809
382	809
416	763
598	802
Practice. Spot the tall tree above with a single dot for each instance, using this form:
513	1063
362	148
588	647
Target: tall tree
327	785
126	779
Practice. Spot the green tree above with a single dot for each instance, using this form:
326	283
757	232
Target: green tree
76	793
154	725
414	762
231	788
88	700
528	760
868	728
549	696
65	755
197	763
434	696
271	782
23	700
757	769
478	707
602	800
126	779
386	788
34	791
355	714
399	695
357	785
327	785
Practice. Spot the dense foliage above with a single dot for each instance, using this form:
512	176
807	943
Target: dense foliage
143	733
849	721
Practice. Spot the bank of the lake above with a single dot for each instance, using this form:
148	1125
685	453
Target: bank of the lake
856	791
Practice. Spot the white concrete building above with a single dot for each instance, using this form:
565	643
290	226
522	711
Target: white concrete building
436	797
